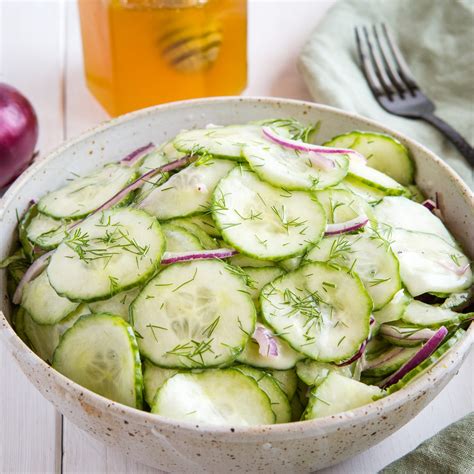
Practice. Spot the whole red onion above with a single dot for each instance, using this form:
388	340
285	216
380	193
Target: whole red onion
18	133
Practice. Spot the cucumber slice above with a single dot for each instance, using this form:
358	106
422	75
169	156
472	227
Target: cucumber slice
259	277
179	239
435	358
400	212
118	304
286	358
312	372
290	264
337	394
368	193
222	142
43	303
342	205
428	263
18	320
287	380
458	301
426	315
388	361
375	179
415	193
184	319
86	194
293	169
278	399
394	309
244	261
205	223
154	378
297	409
214	397
108	253
187	192
369	255
383	152
46	232
255	219
170	152
206	241
100	353
153	160
25	221
321	311
45	338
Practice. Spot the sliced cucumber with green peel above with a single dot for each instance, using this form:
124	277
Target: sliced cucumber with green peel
428	363
286	379
394	309
100	352
368	193
294	169
88	193
187	192
184	319
286	359
428	263
369	255
243	261
255	220
400	212
321	311
119	304
108	253
337	394
205	223
297	409
342	205
170	151
187	223
259	277
459	301
222	142
154	378
23	224
42	302
426	315
278	399
382	151
312	372
290	264
46	232
44	338
214	397
388	361
375	179
179	239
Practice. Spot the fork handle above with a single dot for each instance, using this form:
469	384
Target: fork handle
453	136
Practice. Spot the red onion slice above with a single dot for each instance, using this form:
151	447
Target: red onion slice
429	204
267	343
137	154
301	146
348	226
175	257
33	271
427	349
362	347
173	165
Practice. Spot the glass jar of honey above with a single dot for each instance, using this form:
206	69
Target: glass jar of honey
139	53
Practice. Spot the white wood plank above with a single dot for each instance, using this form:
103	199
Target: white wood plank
31	60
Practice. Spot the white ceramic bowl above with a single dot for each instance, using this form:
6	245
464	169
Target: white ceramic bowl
180	447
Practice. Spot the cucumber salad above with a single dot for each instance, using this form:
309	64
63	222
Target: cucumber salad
241	275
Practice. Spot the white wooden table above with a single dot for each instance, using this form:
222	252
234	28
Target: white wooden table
40	53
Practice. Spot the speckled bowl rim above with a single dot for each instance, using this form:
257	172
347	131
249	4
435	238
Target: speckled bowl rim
270	432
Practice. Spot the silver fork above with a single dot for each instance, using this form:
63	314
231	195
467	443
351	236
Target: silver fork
394	86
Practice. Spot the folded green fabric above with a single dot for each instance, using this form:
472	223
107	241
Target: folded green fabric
436	38
451	451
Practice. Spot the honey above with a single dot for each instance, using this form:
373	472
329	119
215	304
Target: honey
139	53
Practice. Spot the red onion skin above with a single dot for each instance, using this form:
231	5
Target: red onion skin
18	133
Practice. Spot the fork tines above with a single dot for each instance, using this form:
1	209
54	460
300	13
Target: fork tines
384	67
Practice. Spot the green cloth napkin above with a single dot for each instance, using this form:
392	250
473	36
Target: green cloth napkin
451	451
436	38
